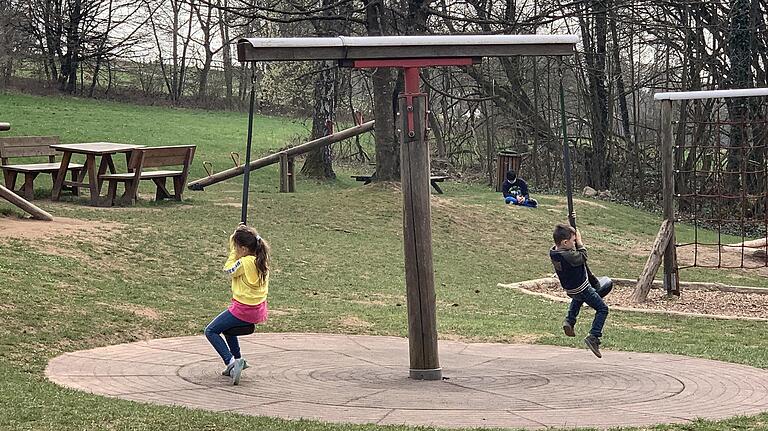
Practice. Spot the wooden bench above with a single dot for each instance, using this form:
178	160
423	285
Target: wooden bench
433	180
31	146
152	157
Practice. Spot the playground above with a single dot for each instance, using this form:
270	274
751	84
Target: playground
128	290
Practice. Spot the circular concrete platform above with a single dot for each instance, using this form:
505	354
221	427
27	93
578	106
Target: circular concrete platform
364	379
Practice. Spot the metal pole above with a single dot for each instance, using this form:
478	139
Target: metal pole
247	166
566	152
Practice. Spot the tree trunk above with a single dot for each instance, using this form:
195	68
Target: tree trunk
206	27
598	175
226	53
740	56
387	145
319	163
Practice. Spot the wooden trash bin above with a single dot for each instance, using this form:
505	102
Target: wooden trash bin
506	160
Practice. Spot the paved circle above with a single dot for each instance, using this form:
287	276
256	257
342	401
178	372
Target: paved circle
364	379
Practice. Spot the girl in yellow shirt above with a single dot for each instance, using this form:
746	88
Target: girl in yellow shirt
248	266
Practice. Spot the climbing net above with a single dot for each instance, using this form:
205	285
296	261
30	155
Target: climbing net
721	180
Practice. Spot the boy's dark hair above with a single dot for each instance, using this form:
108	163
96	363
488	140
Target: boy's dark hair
562	232
511	175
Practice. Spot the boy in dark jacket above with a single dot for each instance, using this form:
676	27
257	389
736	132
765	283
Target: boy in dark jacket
515	191
569	257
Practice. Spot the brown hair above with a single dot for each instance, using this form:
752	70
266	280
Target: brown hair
562	232
246	236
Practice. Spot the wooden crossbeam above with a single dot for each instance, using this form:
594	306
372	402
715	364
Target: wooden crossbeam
403	47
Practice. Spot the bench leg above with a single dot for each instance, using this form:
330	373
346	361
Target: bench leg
131	190
10	179
75	176
436	187
178	187
60	176
162	191
111	192
29	187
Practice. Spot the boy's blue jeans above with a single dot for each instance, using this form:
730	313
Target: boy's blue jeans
213	331
592	298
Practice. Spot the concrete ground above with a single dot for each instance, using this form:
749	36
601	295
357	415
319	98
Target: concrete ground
364	379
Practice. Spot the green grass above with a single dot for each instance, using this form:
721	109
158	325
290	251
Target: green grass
152	270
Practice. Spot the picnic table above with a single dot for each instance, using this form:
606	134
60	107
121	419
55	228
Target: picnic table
91	150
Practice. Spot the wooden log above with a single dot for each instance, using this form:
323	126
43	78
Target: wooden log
660	244
417	241
25	205
275	158
756	243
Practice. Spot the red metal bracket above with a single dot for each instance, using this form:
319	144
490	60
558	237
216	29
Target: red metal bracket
412	83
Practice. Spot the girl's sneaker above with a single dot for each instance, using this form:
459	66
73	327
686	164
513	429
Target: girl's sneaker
227	371
237	370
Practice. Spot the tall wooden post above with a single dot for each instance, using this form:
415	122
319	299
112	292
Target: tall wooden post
671	279
417	231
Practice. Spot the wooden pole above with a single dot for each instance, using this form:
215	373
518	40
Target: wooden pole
275	158
671	280
417	233
24	204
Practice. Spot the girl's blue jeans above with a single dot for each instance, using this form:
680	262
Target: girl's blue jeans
594	300
213	331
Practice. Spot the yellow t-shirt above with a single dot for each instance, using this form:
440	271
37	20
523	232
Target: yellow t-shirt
247	287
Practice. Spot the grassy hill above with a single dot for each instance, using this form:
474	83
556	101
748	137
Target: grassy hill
152	270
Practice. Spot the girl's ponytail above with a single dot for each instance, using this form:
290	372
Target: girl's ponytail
262	258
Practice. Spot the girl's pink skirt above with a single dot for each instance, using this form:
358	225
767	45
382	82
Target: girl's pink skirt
249	313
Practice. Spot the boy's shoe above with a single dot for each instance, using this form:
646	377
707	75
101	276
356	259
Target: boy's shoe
237	370
568	329
594	345
227	371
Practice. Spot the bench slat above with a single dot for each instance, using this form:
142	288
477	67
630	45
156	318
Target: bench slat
145	175
39	167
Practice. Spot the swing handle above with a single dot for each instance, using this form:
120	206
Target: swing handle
208	166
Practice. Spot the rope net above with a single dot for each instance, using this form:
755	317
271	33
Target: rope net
721	182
